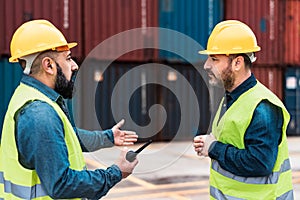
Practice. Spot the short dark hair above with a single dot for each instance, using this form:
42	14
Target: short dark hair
247	60
37	61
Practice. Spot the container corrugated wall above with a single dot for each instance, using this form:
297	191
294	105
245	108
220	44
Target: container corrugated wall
292	99
103	19
265	18
65	14
92	90
292	32
271	76
10	75
176	110
95	84
193	18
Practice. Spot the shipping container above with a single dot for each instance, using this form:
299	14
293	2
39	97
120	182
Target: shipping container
95	83
104	19
180	103
10	75
292	99
271	76
292	32
66	15
157	101
194	19
266	19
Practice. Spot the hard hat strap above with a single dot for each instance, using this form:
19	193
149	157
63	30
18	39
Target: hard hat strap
29	60
252	57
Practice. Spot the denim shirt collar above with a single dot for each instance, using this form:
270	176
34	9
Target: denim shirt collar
49	92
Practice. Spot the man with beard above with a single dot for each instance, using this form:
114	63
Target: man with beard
41	150
248	144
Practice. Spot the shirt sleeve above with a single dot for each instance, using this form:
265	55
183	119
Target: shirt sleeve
41	146
95	140
261	144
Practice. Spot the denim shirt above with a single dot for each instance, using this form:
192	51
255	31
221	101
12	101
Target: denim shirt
41	146
261	139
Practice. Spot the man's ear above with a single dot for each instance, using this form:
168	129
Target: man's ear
47	65
238	63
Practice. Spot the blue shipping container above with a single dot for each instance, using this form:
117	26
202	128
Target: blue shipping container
108	92
10	75
292	99
193	18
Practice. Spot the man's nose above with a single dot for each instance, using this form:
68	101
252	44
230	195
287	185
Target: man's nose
74	66
207	65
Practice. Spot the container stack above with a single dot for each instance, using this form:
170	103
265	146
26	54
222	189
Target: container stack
96	24
292	61
276	26
102	20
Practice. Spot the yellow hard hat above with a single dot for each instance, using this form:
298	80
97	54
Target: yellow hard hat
231	37
37	36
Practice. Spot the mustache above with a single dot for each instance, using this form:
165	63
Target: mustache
209	72
73	76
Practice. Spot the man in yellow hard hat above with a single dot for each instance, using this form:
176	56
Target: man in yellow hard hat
41	150
248	145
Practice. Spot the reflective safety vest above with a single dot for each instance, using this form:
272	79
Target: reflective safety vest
17	182
231	129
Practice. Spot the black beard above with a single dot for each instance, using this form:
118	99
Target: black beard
62	85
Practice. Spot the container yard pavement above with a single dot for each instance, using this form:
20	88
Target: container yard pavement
171	170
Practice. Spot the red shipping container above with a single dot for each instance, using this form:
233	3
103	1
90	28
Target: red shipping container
103	19
292	33
271	77
265	18
66	15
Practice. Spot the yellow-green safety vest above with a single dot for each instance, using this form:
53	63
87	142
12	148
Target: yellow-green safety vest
231	130
17	182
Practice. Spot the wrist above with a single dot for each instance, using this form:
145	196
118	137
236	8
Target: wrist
117	172
110	135
211	148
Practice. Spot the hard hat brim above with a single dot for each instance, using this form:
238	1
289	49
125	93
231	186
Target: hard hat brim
68	45
207	52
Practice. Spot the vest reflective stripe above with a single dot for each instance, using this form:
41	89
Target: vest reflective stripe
22	191
271	179
217	194
286	196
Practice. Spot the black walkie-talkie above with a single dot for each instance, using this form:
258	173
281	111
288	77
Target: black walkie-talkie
131	155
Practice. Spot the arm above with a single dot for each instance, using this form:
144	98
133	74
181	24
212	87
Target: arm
95	140
261	144
41	146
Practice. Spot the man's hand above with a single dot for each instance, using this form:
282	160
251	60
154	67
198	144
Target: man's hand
124	165
202	144
122	137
